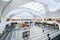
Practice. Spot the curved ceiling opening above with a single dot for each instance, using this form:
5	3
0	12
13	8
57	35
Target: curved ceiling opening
35	8
34	5
23	15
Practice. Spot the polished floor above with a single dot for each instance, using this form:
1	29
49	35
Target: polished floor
36	33
56	38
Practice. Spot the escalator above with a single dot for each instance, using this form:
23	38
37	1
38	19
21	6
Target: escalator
6	36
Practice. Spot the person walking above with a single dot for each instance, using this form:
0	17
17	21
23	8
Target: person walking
48	37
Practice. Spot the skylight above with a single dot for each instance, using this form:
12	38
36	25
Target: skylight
34	6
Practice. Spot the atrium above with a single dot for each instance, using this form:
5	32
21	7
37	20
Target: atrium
29	19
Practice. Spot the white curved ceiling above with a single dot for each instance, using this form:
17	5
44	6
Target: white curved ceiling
53	5
24	15
34	6
14	4
21	12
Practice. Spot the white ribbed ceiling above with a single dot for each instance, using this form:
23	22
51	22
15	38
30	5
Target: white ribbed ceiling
34	6
53	5
23	15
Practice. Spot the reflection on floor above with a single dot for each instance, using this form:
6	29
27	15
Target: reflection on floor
56	38
36	33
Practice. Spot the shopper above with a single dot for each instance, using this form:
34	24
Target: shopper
48	37
43	30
